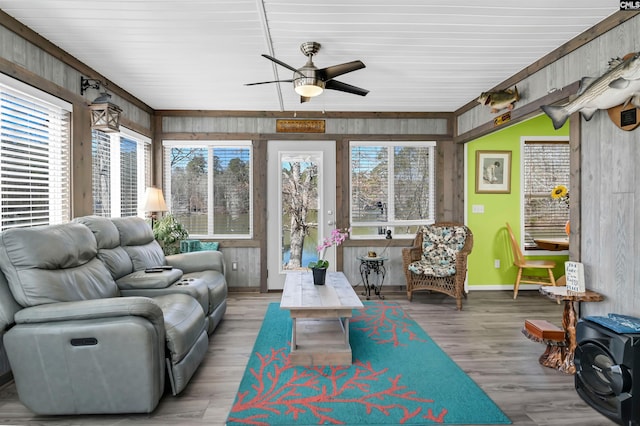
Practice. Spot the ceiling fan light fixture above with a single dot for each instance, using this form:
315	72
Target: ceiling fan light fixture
308	86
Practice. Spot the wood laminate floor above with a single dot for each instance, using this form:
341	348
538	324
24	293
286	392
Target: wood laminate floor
484	338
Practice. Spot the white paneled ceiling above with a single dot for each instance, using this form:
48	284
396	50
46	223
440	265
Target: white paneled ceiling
420	55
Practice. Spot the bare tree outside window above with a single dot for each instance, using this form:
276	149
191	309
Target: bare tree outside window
299	208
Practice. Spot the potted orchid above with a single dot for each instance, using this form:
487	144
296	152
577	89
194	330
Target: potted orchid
319	267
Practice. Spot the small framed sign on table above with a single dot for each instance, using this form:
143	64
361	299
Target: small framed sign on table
574	274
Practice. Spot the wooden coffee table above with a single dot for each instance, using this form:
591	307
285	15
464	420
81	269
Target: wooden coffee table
320	318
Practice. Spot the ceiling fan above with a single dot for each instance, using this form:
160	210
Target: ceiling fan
310	81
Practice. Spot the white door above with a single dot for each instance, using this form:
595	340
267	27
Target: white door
301	199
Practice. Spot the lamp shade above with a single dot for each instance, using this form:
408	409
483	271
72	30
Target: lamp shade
154	200
308	86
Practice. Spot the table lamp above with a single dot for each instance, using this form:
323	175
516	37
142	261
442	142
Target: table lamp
154	202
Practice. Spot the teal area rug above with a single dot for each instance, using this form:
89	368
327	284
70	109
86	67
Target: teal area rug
399	376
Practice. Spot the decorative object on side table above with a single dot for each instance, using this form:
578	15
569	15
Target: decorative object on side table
319	267
169	233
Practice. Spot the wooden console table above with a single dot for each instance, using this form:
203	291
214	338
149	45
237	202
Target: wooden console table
569	319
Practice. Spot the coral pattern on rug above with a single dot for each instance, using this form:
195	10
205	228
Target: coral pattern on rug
374	390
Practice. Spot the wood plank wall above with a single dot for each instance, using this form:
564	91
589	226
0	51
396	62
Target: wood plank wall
260	127
609	244
605	226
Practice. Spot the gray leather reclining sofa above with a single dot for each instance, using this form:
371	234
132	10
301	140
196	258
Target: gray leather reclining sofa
88	330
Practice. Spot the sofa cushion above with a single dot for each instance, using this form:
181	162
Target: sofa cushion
55	263
425	267
136	237
107	238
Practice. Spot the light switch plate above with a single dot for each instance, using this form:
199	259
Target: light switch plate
477	208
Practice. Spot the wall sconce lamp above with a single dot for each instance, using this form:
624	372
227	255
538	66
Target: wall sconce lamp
154	202
105	115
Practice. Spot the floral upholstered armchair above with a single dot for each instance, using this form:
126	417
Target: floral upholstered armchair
437	261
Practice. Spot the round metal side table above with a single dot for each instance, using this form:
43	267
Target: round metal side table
373	272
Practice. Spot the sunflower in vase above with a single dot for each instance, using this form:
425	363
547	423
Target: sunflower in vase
561	193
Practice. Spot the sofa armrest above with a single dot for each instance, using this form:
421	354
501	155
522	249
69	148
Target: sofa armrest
89	357
93	309
197	261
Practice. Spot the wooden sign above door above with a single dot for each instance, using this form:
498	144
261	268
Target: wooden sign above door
300	126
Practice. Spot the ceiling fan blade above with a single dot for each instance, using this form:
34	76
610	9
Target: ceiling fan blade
334	71
266	82
279	62
344	87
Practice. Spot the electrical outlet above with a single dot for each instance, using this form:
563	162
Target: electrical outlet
234	266
496	263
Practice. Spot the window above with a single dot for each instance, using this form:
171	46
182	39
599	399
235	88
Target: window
121	172
392	187
34	156
545	164
208	186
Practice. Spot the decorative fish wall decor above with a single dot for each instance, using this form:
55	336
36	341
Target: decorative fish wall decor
619	85
500	99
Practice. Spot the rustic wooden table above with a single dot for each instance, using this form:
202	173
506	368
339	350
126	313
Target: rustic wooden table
552	244
569	319
325	311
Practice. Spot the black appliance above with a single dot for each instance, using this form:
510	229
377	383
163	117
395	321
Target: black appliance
608	371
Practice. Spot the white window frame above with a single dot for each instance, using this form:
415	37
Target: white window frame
210	173
390	224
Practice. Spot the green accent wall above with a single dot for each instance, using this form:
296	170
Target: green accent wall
491	240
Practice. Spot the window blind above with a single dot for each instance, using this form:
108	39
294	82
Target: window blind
34	161
392	186
129	191
101	174
121	172
546	164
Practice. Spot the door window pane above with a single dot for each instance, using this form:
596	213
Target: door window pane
299	188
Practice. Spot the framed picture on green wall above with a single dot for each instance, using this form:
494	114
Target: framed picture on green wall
493	172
